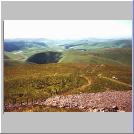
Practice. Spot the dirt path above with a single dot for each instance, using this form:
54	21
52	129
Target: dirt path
88	82
89	102
116	81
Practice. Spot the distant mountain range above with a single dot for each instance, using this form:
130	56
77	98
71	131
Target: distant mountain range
91	43
91	51
13	45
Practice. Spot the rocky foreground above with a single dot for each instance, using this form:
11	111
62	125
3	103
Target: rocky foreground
109	101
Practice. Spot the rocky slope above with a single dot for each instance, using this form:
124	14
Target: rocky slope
109	101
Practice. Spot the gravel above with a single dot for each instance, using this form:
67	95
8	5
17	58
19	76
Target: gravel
109	101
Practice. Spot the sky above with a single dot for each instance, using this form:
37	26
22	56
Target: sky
67	29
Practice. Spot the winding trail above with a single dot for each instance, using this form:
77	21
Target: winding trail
87	102
88	82
116	81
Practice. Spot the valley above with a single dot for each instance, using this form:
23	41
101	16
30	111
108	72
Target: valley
38	71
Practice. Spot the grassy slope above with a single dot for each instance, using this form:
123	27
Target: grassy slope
70	76
12	60
119	56
43	81
122	55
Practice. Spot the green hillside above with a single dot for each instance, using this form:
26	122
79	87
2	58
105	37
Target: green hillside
40	81
120	56
35	70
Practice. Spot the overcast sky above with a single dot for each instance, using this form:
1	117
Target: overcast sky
67	29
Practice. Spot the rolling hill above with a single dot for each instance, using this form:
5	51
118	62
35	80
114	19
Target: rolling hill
93	51
14	45
38	69
120	56
22	44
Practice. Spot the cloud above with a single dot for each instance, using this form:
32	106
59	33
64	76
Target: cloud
67	29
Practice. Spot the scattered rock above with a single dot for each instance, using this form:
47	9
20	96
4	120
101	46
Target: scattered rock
95	110
115	109
109	101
